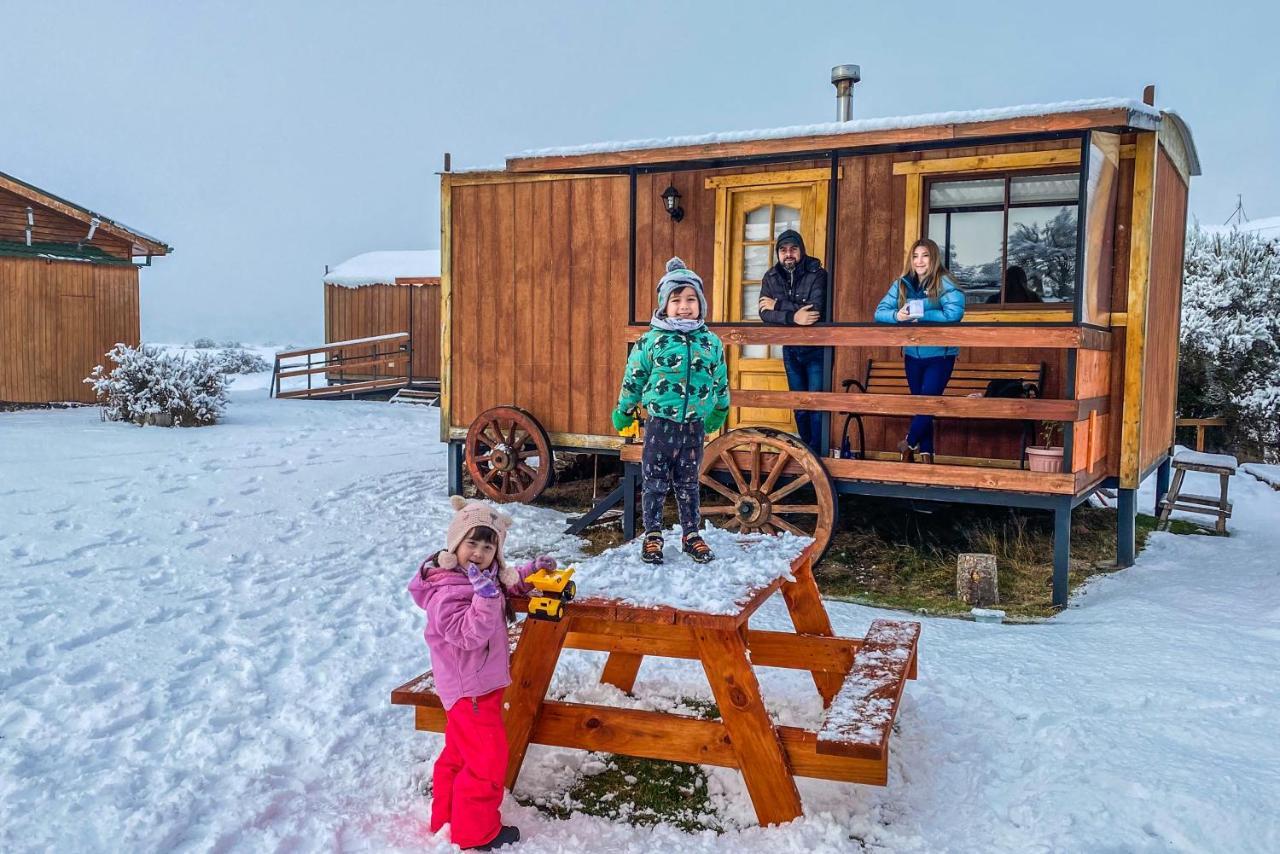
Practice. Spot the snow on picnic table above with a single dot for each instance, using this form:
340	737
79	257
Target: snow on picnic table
743	565
202	629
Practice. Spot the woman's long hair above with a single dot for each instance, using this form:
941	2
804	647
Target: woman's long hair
932	282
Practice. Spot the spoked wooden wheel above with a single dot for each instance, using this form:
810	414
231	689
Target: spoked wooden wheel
508	454
776	484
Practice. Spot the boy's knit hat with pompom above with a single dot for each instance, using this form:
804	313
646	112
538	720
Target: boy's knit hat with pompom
474	514
679	276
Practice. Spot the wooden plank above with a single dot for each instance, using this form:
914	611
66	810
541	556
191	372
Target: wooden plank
384	340
984	162
1000	336
532	666
1140	235
446	305
1111	117
770	179
971	477
860	720
920	404
760	755
620	670
567	722
809	616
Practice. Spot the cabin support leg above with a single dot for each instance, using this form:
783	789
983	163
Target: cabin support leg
455	468
1126	526
1061	552
630	476
1162	484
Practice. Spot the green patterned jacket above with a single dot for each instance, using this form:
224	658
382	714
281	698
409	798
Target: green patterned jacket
676	375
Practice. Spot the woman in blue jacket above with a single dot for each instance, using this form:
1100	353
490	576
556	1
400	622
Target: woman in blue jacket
925	284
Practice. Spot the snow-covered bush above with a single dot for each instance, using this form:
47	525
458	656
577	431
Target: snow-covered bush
237	360
1229	363
204	344
149	386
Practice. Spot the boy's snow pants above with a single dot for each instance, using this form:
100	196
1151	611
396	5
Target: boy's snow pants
467	782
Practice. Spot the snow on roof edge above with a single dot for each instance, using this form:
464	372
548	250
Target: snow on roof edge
384	267
855	126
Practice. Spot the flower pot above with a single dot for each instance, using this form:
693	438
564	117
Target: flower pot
1040	458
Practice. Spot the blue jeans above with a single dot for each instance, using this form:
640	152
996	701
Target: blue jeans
926	376
804	373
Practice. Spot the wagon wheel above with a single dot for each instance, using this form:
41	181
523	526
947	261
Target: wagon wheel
508	454
777	484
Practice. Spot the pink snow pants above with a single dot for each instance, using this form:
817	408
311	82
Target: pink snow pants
467	782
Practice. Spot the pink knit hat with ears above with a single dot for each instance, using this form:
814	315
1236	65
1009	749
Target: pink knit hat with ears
473	514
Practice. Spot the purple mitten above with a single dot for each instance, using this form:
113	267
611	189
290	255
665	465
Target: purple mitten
483	581
517	585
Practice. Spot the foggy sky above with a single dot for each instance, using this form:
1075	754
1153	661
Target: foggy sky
264	141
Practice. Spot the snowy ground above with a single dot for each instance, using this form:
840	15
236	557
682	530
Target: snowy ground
201	629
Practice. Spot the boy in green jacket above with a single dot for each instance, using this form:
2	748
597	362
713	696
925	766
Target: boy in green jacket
676	372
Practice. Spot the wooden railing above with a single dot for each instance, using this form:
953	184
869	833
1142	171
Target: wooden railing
1085	409
380	362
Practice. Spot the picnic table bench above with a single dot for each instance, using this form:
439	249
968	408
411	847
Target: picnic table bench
860	681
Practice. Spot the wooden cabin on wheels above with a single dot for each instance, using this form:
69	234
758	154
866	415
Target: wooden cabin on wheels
549	268
68	293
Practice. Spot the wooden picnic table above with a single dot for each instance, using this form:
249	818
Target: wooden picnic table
860	681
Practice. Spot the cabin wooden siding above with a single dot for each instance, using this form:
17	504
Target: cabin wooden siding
384	309
1164	311
51	226
58	319
538	286
523	243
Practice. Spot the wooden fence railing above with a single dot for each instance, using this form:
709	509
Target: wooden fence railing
376	363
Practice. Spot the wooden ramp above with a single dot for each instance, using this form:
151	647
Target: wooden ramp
345	368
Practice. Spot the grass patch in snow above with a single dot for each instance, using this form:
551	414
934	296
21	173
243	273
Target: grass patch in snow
891	554
639	792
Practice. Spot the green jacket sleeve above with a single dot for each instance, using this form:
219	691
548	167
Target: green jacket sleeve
720	378
636	375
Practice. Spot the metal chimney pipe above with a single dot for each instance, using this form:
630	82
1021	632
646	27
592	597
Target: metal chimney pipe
843	77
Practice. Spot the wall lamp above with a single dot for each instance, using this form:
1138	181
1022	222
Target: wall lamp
671	199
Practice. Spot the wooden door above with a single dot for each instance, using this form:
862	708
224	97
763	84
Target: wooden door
756	216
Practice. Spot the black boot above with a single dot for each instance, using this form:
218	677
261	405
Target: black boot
508	835
651	550
695	547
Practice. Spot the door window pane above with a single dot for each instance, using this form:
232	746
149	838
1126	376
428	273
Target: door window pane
755	261
785	217
1042	241
750	311
977	248
1044	188
954	194
757	227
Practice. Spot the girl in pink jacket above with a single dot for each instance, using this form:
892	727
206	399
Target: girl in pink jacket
462	590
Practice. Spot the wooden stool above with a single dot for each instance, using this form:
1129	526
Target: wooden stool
1223	465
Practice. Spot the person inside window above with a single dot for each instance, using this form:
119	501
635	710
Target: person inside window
1016	288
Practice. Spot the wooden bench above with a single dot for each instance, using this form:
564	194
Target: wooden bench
860	718
421	690
889	376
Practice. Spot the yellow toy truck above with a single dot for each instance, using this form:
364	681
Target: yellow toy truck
554	588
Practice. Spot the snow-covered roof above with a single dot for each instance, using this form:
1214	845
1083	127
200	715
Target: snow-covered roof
383	268
853	127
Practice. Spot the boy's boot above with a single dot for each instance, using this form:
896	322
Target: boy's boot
651	549
695	547
508	835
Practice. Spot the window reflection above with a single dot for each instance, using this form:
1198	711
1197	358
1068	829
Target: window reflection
1009	239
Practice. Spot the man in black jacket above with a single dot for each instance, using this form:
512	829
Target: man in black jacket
794	291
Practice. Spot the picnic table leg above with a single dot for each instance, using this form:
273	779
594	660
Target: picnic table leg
809	616
532	665
755	742
620	670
